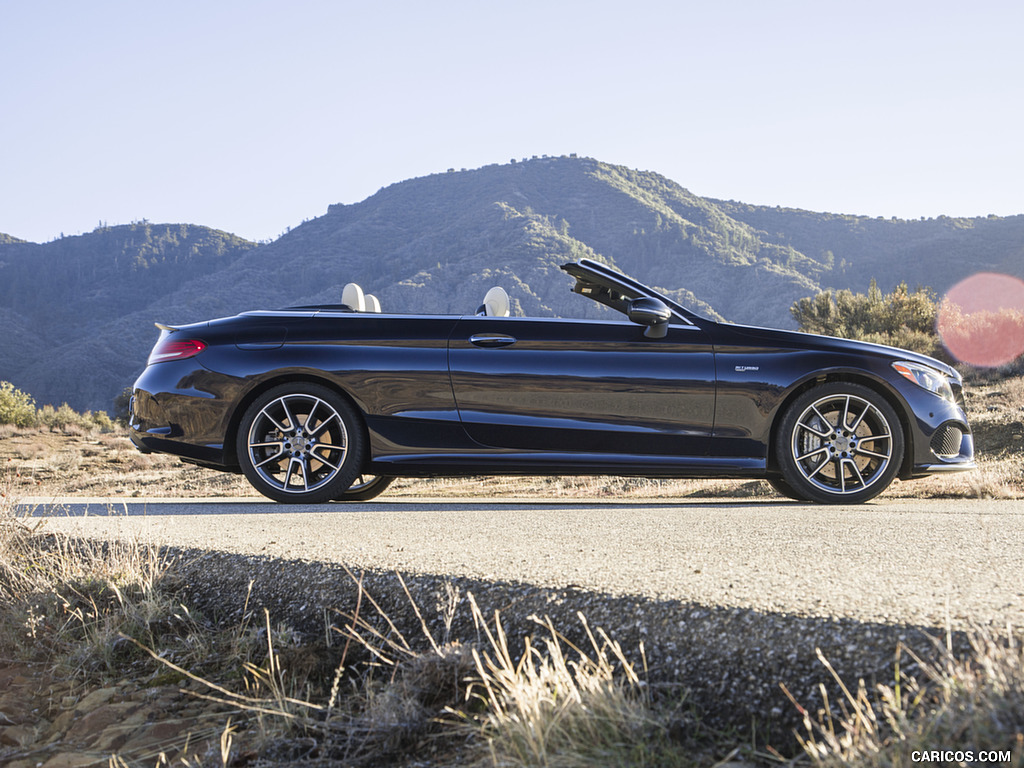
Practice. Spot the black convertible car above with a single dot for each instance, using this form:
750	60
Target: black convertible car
326	403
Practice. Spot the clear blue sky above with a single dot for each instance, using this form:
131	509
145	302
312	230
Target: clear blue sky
252	116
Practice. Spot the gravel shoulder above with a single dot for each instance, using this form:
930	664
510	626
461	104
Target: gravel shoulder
730	600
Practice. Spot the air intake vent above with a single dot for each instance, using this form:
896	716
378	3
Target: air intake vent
946	441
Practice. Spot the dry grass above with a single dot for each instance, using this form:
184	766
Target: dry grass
566	706
954	705
75	601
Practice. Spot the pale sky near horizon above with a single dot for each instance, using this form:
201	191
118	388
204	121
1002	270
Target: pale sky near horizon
253	116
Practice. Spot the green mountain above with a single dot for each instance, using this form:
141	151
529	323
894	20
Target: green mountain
78	312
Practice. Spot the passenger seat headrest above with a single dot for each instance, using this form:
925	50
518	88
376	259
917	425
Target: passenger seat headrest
372	303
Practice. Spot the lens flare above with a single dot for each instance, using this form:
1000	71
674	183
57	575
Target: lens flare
981	319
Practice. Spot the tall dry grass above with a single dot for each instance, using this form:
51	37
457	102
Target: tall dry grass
957	708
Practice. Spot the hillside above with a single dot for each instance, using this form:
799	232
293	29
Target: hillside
436	243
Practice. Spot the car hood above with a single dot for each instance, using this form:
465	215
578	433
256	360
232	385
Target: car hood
833	343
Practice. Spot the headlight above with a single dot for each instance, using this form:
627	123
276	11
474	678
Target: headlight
928	378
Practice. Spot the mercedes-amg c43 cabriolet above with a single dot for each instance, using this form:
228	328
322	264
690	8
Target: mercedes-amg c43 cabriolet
330	403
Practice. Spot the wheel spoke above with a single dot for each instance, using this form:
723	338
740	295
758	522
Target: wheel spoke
864	452
288	473
813	431
287	412
276	457
817	469
309	416
867	409
818	414
815	452
277	425
267	445
856	471
328	446
322	425
322	460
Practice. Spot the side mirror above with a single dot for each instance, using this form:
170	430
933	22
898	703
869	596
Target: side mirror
653	313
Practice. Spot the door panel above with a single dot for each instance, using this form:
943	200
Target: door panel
583	386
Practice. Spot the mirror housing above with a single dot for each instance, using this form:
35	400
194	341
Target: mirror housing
653	313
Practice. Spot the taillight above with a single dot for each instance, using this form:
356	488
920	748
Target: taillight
175	349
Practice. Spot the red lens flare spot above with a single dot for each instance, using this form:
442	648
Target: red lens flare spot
981	320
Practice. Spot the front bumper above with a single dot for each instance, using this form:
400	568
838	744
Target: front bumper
942	438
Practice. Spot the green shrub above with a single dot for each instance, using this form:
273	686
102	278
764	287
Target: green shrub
67	419
903	318
16	407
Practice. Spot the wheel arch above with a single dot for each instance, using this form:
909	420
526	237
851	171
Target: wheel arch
854	377
231	433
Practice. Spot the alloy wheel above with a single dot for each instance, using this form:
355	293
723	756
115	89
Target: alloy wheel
297	443
842	444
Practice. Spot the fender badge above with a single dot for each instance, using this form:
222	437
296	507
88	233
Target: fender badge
744	368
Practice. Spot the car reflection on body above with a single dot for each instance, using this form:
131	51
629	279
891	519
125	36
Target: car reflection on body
323	403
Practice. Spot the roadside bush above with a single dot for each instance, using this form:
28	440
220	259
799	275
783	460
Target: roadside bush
67	419
903	318
16	407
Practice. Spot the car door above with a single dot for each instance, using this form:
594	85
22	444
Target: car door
582	386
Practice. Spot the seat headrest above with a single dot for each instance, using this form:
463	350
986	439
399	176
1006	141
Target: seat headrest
372	303
497	302
352	296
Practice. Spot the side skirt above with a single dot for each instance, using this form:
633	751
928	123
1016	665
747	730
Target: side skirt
540	463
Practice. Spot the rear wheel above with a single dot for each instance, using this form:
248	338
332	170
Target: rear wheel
366	487
839	443
301	444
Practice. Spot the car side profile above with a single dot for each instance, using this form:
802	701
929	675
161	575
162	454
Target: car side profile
330	403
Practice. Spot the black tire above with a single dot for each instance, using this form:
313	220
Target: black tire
839	443
366	487
783	488
301	444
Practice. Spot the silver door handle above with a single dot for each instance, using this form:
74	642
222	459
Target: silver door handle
492	339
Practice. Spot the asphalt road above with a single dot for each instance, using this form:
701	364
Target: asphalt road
920	561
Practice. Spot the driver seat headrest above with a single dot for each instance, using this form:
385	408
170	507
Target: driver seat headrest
496	303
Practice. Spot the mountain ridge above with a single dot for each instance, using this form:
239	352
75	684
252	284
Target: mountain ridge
436	243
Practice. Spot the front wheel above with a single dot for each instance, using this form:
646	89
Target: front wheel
300	444
839	443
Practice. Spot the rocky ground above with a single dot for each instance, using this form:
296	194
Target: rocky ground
59	723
